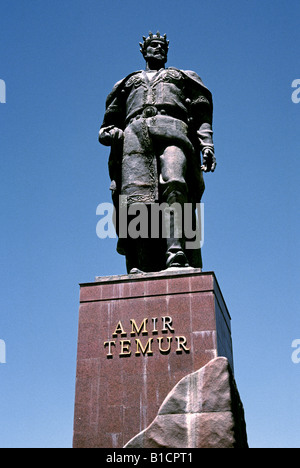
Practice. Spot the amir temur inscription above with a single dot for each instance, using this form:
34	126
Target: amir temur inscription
128	345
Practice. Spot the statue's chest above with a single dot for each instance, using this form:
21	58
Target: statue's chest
149	81
144	87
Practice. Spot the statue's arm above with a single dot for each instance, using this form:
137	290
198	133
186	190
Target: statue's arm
111	130
203	116
201	109
205	137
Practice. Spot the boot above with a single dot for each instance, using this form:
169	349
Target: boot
175	244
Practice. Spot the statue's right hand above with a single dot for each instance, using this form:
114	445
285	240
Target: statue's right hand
109	135
116	134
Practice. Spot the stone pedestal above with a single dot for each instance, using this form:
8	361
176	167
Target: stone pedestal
138	336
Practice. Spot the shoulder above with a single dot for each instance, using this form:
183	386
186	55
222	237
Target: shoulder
198	82
122	82
119	86
193	76
188	73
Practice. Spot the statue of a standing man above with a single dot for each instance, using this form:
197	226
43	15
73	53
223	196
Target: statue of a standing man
158	122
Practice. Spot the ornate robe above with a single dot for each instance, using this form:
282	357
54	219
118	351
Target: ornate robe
174	107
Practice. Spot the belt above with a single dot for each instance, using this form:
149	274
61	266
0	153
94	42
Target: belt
152	111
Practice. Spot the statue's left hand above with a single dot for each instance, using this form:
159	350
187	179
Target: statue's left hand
209	161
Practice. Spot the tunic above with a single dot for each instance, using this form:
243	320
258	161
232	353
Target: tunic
173	108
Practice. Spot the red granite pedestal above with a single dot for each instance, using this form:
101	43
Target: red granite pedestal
138	336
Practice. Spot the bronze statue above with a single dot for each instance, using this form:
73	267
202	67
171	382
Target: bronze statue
158	122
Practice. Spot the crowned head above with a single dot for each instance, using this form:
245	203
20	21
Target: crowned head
155	48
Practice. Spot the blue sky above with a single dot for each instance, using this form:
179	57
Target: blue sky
59	60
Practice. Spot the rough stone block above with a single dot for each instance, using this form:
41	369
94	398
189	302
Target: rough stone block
203	410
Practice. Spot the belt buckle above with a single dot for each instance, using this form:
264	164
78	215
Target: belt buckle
150	111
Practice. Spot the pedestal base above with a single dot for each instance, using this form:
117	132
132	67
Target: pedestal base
139	335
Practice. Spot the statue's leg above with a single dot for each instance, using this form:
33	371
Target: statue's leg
174	192
139	186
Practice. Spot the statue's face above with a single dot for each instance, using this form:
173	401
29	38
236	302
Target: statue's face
156	51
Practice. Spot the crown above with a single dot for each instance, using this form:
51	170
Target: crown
154	37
